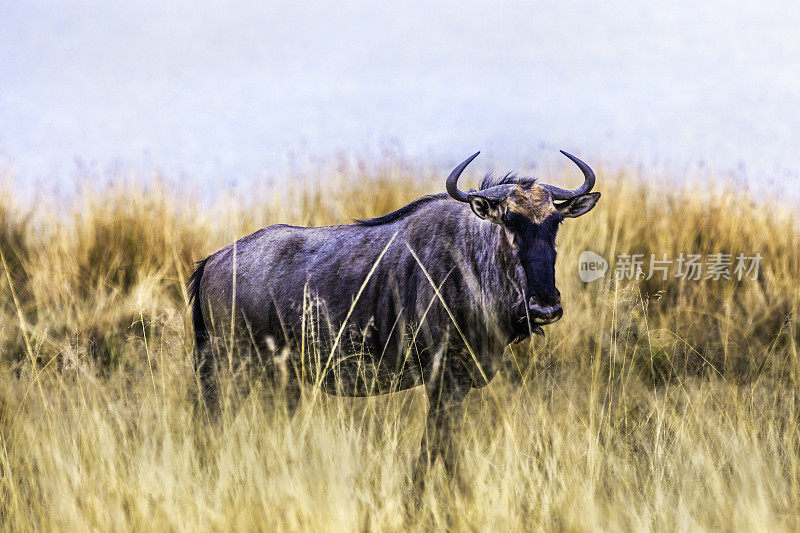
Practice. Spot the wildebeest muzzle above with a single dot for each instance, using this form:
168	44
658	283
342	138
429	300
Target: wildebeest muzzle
544	314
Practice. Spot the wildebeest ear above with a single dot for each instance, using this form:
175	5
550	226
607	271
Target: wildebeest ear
486	208
579	205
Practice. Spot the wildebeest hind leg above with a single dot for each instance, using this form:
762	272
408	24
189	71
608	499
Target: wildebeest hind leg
207	381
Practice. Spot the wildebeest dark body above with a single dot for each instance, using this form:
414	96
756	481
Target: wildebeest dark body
489	253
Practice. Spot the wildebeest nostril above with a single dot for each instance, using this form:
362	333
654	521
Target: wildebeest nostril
545	314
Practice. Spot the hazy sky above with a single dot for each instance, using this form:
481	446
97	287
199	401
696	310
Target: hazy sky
226	91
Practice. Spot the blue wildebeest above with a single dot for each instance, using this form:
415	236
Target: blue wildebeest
430	294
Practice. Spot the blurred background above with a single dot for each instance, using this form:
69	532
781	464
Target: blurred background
235	93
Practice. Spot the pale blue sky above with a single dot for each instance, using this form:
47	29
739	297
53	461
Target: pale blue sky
226	92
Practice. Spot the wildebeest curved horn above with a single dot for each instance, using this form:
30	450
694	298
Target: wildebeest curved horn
588	182
452	180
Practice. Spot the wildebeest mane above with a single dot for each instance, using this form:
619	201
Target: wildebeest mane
490	180
403	211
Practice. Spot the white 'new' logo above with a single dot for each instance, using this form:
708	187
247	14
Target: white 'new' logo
591	266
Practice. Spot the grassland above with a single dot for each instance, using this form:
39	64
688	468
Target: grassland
652	405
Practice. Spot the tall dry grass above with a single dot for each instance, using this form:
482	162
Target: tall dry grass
650	405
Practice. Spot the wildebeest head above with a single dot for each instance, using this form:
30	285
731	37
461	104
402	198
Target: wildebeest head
530	214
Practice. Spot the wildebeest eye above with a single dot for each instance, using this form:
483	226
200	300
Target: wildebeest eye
510	219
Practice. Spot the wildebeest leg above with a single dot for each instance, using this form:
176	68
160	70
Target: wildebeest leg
207	377
446	392
284	387
283	380
293	397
